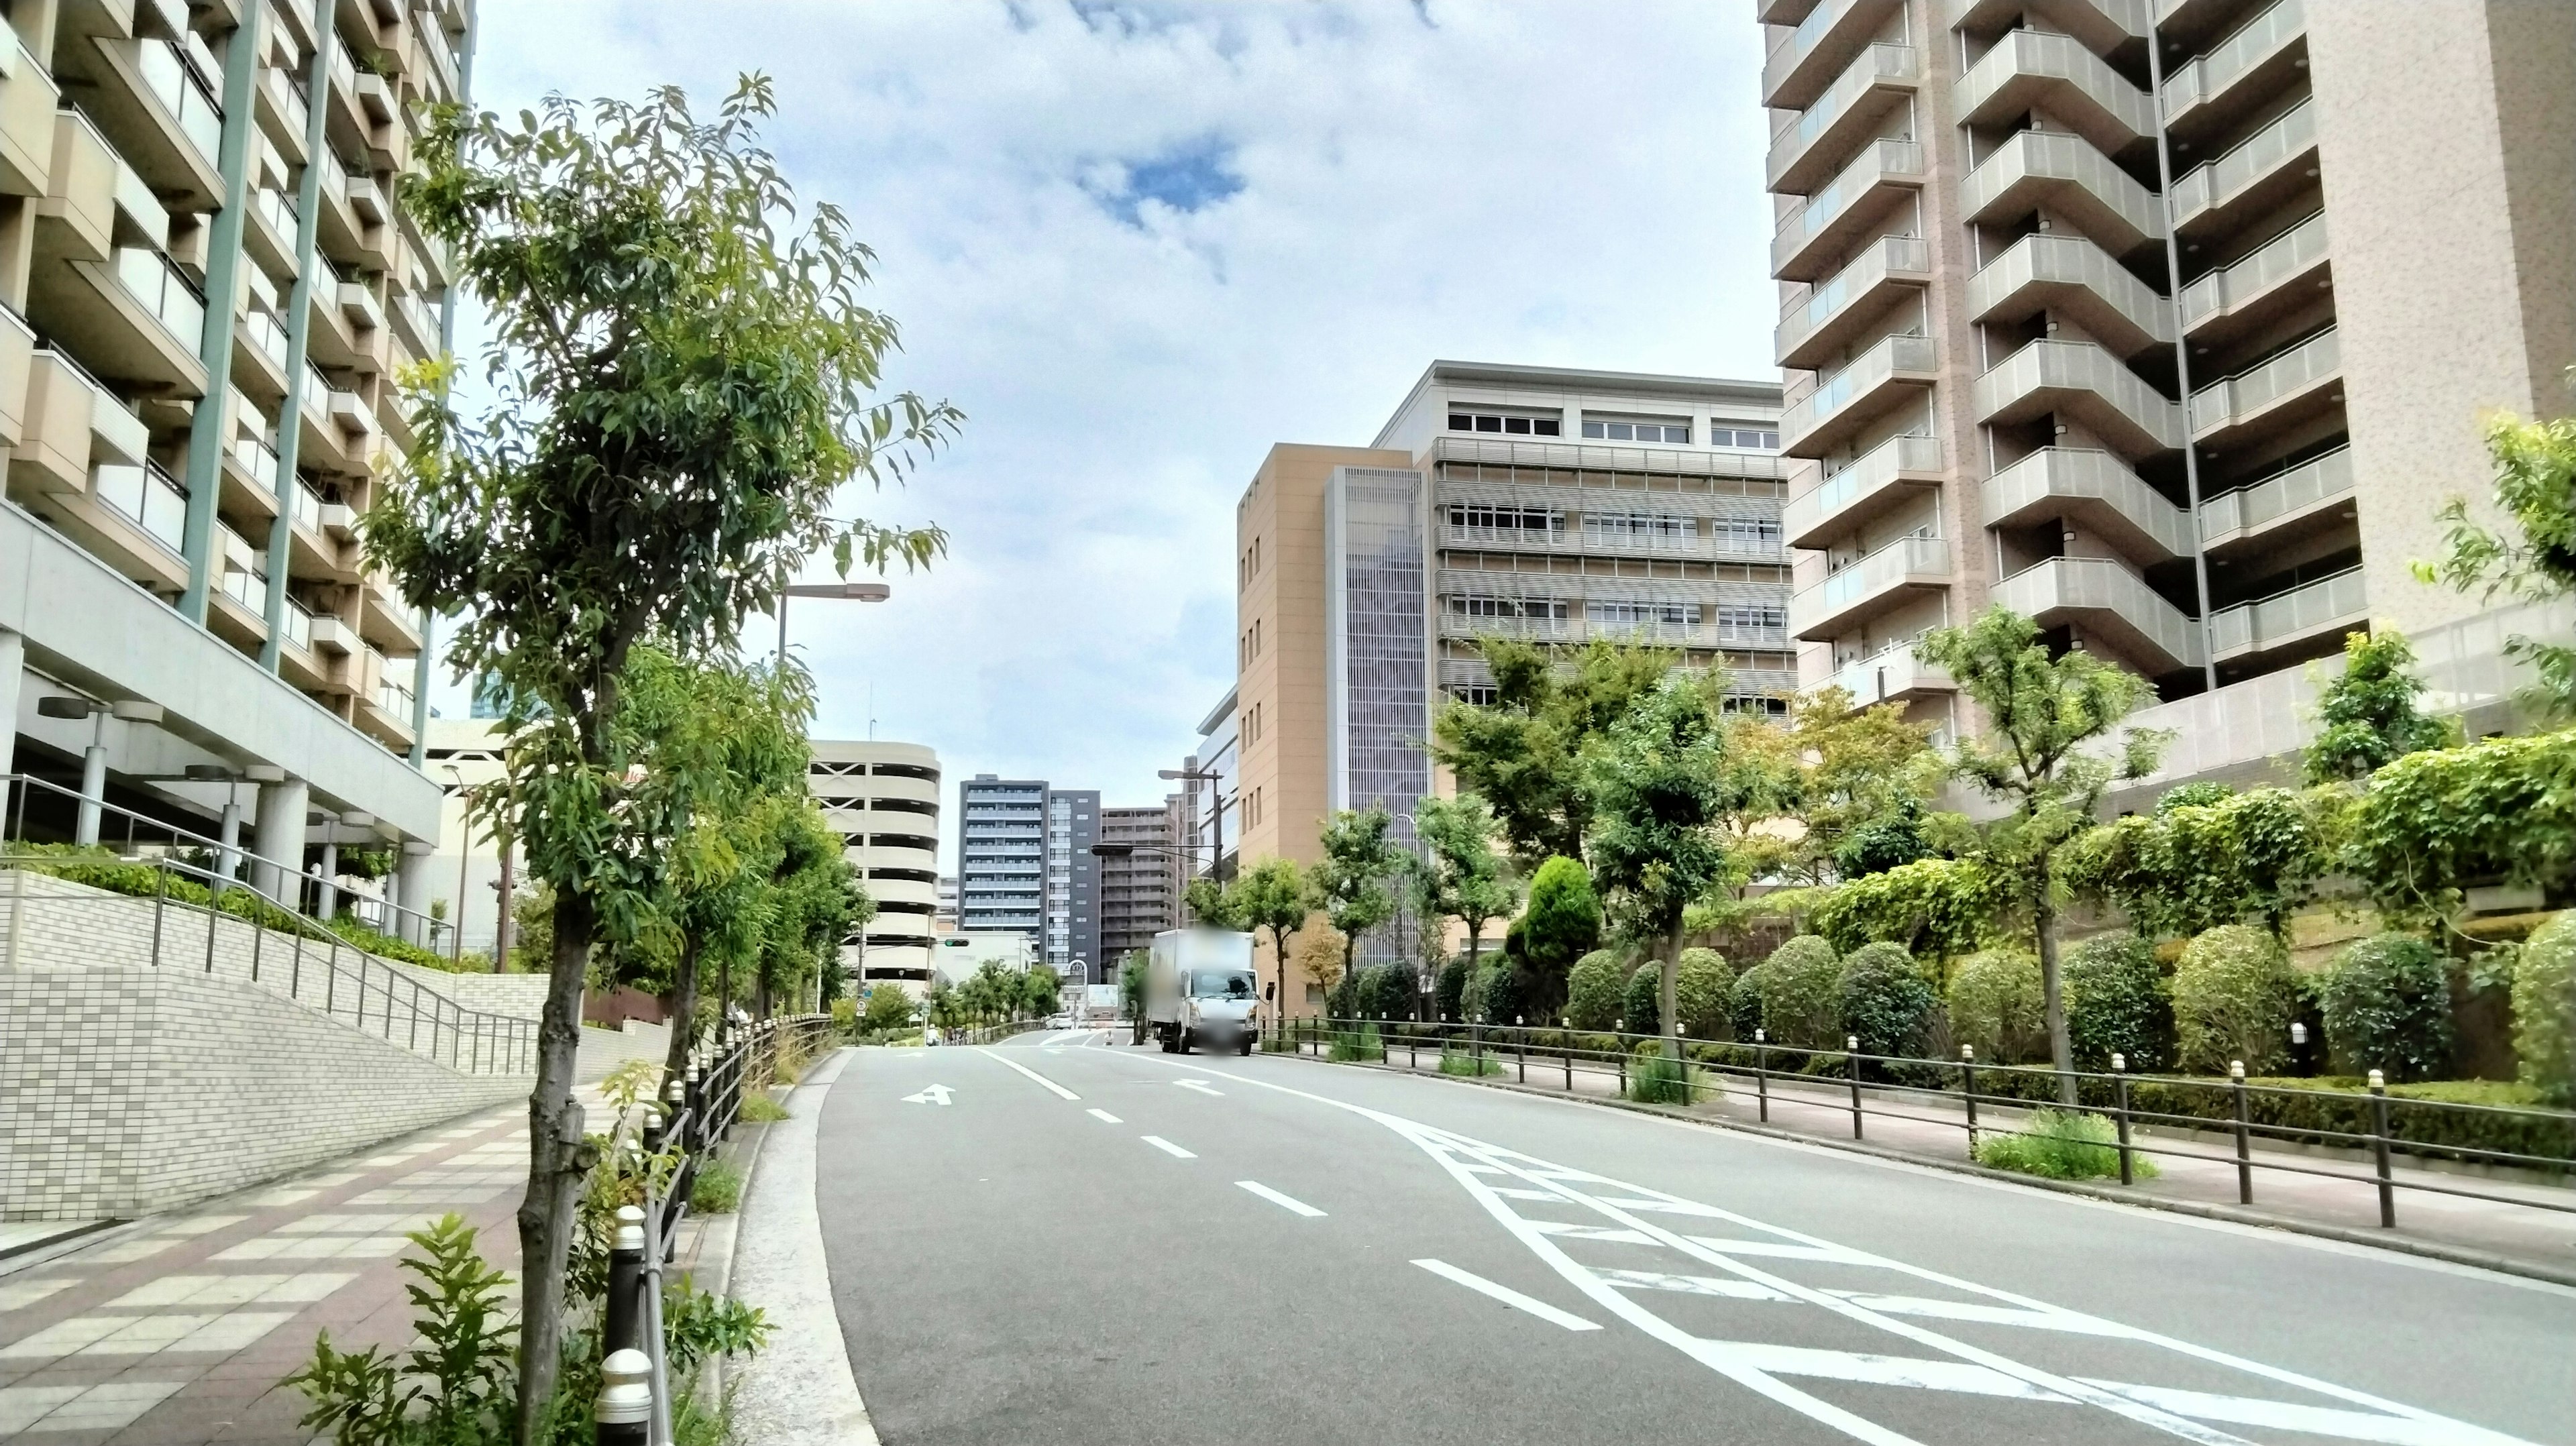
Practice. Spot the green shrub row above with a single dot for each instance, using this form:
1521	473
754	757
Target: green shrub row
100	869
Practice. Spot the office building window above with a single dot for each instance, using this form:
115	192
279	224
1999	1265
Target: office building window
1762	439
1639	527
1750	623
1483	695
1746	534
1521	425
1534	524
1637	614
1633	430
1482	605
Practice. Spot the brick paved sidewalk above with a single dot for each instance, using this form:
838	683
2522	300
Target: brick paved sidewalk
178	1329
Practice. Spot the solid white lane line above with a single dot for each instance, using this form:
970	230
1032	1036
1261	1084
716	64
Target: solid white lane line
1033	1074
1285	1202
1508	1296
1106	1118
1168	1148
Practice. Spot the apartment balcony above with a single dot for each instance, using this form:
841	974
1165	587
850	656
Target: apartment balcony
249	471
1806	147
69	425
386	621
147	513
1877	483
2283	275
17	363
2253	63
2312	493
297	660
240	612
1782	12
2102	25
2071	277
1878	583
155	99
2069	175
28	100
1890	373
278	104
2039	69
1807	60
2254	175
2096	490
1825	320
1891	675
415	322
2294	383
2080	380
1825	225
2299	617
93	203
2104	596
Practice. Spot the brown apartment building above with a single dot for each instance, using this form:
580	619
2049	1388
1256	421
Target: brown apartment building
1983	211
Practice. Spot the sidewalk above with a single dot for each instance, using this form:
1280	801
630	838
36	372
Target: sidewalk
1933	1130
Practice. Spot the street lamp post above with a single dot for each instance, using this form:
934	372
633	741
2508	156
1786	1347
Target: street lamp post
1213	776
847	591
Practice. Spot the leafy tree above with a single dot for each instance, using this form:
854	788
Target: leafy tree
1215	904
1352	885
1319	956
2234	994
2040	711
1131	992
1892	839
1655	783
2387	1006
2368	715
889	1007
1855	779
1561	924
2116	1003
1641	1001
1592	986
814	900
2536	487
1521	752
1463	877
1270	895
678	391
1449	990
1041	991
2501	808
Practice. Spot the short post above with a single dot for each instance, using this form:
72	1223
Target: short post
1569	1064
1851	1051
1968	1089
694	1098
625	1412
1761	1077
624	1308
2120	1107
2379	1149
160	902
652	1131
2244	1153
1520	1047
1623	1069
1681	1057
1476	1048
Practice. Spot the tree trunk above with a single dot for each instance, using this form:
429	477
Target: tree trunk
1279	954
1350	956
761	995
1475	953
556	1166
2061	1048
684	1011
1670	1004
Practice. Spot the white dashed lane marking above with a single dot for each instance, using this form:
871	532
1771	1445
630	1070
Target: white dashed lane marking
1288	1203
1508	1296
1168	1148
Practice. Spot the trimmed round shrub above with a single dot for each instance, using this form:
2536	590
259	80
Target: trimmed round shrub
1592	990
2116	1002
1700	990
1342	1000
1799	1004
2544	1010
1494	995
1641	1003
2387	1006
1884	1000
2234	995
1744	1003
1449	991
1996	1005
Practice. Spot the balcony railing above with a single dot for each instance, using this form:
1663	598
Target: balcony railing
299	624
2047	56
308	508
278	209
2208	76
1891	672
2278	495
1878	161
1795	138
1801	46
1882	467
2288	615
1906	557
149	498
2053	367
2245	163
2249	391
1867	372
2064	585
247	588
257	456
2122	214
2278	260
1454	624
268	334
1801	316
173	81
2082	479
1516	537
151	279
2057	261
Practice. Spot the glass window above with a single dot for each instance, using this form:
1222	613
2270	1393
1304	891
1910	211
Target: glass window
1523	425
1221	983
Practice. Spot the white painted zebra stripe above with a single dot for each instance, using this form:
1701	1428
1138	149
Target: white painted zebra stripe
1104	1117
1168	1148
2314	1420
1690	1284
1591	1232
1508	1296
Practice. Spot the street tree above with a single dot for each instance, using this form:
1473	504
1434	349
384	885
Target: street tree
2040	713
2367	717
1353	885
1561	925
1655	781
1854	780
681	379
1462	877
1522	752
814	900
1270	895
2535	487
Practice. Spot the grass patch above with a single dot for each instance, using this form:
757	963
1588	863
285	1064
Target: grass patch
2062	1146
1654	1079
1349	1046
1454	1060
760	1109
717	1190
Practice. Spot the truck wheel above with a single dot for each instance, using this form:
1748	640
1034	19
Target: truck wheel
1165	1039
1245	1047
1189	1041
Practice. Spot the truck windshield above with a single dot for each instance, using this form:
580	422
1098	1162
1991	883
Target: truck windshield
1220	984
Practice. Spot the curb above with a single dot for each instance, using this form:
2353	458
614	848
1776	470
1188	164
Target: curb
2114	1194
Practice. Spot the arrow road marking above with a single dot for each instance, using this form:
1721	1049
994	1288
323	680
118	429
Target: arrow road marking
934	1095
1508	1296
1060	1090
1106	1118
1168	1148
1284	1202
1200	1085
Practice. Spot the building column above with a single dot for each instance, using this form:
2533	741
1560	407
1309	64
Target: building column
280	840
411	891
326	899
228	860
290	412
215	346
13	672
93	793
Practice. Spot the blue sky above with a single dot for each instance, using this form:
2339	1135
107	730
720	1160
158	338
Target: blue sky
1140	242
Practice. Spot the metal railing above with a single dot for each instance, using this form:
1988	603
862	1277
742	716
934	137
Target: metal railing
150	498
2373	1129
2224	179
240	930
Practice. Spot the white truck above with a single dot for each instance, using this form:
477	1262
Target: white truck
1200	990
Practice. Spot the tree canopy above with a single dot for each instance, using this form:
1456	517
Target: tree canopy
1654	780
2535	488
1353	885
2367	716
1521	753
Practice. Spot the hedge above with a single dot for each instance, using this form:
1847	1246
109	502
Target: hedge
2544	1010
100	869
2234	995
2387	1004
1592	989
1995	1006
1884	1000
1798	987
2116	1003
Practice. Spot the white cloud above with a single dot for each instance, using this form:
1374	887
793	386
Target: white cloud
1564	183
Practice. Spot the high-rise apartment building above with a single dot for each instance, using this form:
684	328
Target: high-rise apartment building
884	799
2167	324
1001	854
1072	939
1540	503
1138	893
208	281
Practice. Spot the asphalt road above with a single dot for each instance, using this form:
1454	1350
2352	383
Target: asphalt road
1214	1249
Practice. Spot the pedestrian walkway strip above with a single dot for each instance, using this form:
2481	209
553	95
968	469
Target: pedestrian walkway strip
1168	1148
1285	1202
1060	1090
1509	1296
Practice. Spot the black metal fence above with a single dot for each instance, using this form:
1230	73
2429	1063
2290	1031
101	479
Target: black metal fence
2377	1127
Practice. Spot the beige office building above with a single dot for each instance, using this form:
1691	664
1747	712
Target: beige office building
884	800
2368	204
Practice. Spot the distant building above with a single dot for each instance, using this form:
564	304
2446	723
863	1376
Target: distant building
955	957
943	919
1001	854
884	800
1072	939
1138	892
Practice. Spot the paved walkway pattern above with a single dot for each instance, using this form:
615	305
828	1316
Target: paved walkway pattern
178	1329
